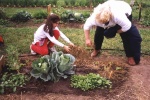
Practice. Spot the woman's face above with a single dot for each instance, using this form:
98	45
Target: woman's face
55	24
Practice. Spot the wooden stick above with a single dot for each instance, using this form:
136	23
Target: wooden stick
2	62
49	9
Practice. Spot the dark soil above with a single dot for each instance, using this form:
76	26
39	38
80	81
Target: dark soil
129	83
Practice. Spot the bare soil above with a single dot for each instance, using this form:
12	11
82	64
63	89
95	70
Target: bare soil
130	83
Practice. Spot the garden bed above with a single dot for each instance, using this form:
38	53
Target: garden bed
83	65
123	81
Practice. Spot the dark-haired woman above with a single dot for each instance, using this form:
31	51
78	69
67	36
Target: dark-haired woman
46	37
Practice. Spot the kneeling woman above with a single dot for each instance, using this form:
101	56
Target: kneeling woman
46	37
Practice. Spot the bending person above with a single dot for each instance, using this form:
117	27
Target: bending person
113	17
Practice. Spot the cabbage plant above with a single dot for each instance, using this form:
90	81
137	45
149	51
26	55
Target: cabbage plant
53	67
70	16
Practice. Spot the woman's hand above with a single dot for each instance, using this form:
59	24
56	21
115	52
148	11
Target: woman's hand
89	42
71	44
66	48
119	31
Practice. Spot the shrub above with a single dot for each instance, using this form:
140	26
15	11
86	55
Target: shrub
22	16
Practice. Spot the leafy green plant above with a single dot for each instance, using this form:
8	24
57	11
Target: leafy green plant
60	3
66	2
12	59
58	10
69	16
52	67
4	22
2	14
89	81
86	14
22	16
96	2
72	2
79	17
12	81
146	17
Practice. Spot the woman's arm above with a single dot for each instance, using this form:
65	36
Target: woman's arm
53	40
123	21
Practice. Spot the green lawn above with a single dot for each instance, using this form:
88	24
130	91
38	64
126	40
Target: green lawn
21	38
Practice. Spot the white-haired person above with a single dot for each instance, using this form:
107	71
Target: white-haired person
113	17
46	37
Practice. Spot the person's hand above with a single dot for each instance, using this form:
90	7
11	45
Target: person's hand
66	48
89	42
119	31
71	44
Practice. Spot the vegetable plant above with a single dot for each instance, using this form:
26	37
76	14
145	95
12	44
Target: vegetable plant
12	81
22	16
70	16
53	67
89	81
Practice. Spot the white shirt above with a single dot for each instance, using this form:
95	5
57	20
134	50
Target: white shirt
119	9
40	35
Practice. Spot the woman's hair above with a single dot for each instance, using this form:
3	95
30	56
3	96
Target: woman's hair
104	14
52	18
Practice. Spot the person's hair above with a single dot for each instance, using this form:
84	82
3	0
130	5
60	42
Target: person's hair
52	18
104	14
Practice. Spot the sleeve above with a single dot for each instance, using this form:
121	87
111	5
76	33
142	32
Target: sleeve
123	21
89	23
55	41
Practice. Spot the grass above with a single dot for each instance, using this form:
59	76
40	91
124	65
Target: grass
22	37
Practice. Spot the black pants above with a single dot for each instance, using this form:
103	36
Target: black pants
131	41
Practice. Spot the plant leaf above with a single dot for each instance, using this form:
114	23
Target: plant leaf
35	73
45	77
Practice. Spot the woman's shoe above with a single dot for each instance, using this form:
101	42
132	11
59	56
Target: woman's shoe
32	52
95	53
131	61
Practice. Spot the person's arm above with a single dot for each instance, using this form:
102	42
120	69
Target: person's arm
65	38
87	38
54	40
119	31
124	22
87	26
